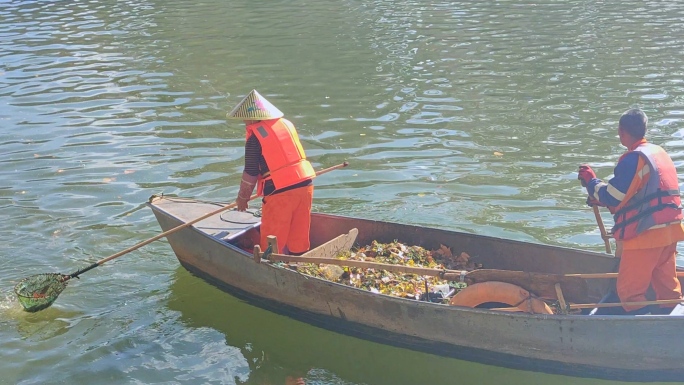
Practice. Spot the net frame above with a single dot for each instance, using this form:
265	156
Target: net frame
39	291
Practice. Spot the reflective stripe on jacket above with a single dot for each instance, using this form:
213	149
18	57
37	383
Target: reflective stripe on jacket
657	203
283	153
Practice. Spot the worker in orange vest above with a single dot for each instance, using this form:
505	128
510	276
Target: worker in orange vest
644	198
276	164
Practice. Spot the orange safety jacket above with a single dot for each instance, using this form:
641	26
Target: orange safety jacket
657	203
283	153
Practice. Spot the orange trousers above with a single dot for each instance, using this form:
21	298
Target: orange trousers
287	215
640	268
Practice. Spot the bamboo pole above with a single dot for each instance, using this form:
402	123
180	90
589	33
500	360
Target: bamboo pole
615	304
447	274
605	275
611	304
180	227
363	264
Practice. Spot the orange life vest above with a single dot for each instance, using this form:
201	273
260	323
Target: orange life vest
657	203
283	153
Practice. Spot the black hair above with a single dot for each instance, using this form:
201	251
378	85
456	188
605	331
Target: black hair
634	122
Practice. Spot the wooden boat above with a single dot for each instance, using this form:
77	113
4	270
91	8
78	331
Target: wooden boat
628	348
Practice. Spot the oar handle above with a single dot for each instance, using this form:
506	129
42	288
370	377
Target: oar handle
184	225
599	222
602	228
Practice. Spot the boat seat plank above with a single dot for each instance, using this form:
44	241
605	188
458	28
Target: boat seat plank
326	251
334	246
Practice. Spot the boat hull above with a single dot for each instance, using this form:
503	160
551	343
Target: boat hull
612	347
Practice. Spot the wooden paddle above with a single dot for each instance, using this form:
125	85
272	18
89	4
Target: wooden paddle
602	228
599	222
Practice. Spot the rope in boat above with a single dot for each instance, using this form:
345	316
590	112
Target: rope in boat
255	213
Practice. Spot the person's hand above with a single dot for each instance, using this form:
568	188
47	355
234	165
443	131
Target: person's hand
242	203
591	202
585	174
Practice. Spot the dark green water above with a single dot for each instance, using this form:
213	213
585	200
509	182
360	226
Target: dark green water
463	115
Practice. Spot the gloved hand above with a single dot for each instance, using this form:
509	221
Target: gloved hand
585	174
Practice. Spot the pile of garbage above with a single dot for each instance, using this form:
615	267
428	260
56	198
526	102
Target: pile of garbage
402	285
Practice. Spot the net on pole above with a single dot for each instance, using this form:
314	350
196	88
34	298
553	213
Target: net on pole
39	291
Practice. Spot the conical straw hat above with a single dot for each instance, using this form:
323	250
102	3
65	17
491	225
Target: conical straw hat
254	107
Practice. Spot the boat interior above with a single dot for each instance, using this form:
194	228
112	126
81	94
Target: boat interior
542	270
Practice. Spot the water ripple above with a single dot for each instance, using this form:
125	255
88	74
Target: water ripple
460	114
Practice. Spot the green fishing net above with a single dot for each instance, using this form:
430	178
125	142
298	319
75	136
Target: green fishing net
39	291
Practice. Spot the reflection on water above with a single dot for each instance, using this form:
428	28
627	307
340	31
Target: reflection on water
35	327
49	327
462	115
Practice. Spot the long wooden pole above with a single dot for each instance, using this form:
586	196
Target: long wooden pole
615	304
177	228
362	264
605	275
612	304
446	274
443	273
